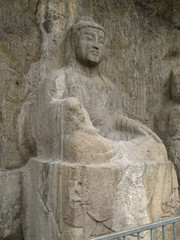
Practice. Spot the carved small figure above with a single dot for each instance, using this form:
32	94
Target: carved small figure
168	121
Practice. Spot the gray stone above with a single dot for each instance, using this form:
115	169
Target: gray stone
142	48
10	205
78	115
97	170
168	121
76	201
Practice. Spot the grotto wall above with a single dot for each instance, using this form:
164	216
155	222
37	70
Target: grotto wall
142	47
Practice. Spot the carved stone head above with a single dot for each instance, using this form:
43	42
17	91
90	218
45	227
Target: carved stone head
88	41
175	84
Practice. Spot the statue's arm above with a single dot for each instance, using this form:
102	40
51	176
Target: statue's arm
72	113
133	128
67	108
73	136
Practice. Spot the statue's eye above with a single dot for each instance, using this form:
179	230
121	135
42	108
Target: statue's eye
89	38
101	41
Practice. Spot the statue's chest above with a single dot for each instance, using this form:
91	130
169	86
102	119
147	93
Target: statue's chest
90	93
95	97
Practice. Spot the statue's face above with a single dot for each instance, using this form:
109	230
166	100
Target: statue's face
175	88
89	44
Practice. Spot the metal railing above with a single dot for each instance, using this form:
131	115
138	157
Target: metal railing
138	230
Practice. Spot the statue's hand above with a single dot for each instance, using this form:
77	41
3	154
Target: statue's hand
72	113
148	131
72	103
75	115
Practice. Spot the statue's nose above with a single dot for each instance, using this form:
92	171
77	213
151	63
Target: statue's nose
96	47
95	44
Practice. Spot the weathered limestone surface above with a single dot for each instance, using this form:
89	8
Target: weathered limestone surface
168	121
143	47
20	42
10	204
75	201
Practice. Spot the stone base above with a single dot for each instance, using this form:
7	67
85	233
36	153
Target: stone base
68	201
10	205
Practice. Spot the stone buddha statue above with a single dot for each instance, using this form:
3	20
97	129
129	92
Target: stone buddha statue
96	170
79	116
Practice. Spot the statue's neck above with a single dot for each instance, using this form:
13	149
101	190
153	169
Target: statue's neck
87	71
176	100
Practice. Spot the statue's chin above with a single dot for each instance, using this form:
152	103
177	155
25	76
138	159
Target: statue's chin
92	62
95	59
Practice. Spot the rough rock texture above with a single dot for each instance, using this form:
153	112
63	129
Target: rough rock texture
20	42
106	160
75	201
143	47
10	205
168	121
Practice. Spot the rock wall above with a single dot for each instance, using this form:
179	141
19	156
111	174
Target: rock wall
143	45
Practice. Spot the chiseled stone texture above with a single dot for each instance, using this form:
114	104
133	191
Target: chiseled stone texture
106	172
168	121
20	43
69	201
10	205
142	48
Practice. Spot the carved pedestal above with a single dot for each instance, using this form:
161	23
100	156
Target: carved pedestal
73	202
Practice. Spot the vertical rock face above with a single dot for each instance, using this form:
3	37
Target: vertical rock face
168	123
20	44
143	46
10	207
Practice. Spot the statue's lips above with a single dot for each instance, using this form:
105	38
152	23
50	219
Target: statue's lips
95	53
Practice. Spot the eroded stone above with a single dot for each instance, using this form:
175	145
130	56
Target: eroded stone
10	205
